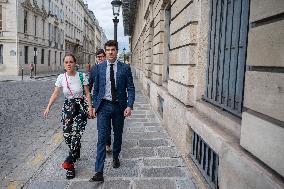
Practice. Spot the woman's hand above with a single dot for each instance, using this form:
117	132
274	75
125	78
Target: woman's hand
52	99
94	113
90	112
45	113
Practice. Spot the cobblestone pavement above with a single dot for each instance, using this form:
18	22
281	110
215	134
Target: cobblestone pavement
149	158
23	131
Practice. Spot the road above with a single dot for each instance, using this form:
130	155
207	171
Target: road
23	130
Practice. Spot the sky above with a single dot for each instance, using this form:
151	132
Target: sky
103	12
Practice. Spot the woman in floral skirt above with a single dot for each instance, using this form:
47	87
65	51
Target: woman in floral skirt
75	110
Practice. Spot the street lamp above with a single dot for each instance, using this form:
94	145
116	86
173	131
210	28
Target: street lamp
116	9
35	59
124	55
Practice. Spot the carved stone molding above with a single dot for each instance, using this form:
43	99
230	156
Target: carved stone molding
27	5
44	12
35	9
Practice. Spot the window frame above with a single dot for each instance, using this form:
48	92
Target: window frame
25	21
1	18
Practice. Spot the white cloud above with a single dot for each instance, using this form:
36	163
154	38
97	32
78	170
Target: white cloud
103	12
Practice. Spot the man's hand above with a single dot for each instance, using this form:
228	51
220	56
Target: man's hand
127	112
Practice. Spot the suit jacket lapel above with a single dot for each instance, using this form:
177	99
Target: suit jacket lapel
104	67
118	72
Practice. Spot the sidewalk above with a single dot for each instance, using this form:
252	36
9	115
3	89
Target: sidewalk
149	158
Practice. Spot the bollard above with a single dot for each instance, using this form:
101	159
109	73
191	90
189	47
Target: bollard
22	73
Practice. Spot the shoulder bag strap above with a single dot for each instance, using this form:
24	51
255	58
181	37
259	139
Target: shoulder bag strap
82	82
68	85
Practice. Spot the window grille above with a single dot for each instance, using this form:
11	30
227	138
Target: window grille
48	60
206	160
25	21
26	52
227	54
1	54
42	56
1	18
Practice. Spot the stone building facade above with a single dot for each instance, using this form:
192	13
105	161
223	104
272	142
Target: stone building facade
103	37
213	70
39	32
8	39
99	36
74	25
94	37
89	43
40	35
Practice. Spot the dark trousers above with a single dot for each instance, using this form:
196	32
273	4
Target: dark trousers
108	113
108	136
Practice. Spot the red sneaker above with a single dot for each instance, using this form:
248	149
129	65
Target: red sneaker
67	165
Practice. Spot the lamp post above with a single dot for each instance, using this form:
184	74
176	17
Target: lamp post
35	59
116	9
124	55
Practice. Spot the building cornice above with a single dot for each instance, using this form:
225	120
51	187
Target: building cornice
129	8
35	8
27	5
44	12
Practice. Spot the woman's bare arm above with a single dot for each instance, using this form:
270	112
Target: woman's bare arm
52	99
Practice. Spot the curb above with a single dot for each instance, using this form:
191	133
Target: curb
46	76
26	78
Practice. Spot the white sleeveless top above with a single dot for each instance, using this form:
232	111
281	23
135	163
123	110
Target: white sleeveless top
74	83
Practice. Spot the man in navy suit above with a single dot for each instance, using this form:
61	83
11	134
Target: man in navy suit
100	57
113	99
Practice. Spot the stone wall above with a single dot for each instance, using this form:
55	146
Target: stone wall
263	120
8	38
244	144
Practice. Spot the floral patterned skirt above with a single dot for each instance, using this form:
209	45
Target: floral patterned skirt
74	112
74	119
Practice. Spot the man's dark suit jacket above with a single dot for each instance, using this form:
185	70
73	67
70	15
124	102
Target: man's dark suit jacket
125	90
91	77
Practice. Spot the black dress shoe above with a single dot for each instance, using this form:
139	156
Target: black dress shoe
116	163
99	177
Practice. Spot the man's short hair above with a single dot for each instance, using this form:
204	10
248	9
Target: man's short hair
100	51
111	43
